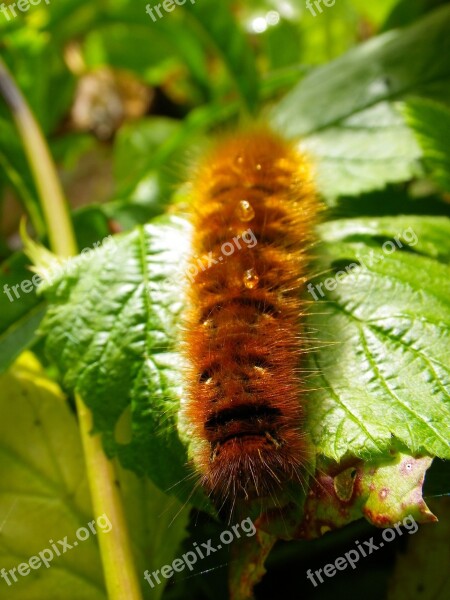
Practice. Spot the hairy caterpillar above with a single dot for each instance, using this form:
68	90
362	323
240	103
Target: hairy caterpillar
243	333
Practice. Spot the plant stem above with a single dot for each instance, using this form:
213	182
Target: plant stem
115	546
28	201
117	556
54	206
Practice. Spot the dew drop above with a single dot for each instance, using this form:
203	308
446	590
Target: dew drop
251	279
245	211
258	167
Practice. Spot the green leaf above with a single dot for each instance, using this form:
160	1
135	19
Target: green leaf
173	38
157	524
44	496
384	492
393	491
20	311
429	236
140	152
193	30
43	492
364	152
282	45
430	122
345	110
376	12
111	328
404	12
386	369
382	366
218	27
91	225
147	159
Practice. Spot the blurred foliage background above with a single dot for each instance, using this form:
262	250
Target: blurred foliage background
122	99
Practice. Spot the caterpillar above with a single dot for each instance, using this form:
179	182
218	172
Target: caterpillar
253	204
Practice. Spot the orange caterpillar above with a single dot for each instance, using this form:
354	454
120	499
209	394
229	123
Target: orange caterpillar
243	334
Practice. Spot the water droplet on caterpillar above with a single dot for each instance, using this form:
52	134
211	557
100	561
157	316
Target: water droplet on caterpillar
245	211
251	279
258	167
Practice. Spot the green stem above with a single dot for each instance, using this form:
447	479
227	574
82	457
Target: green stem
27	199
54	206
115	546
117	556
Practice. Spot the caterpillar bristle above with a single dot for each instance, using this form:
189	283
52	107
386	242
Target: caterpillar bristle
254	207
